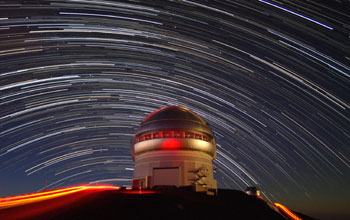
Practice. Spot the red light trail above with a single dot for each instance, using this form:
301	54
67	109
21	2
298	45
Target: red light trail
12	201
70	194
33	205
286	211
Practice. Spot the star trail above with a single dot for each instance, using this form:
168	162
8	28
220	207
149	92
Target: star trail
271	78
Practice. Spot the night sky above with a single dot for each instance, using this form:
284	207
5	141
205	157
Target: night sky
272	79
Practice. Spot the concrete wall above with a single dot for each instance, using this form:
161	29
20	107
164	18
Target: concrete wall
180	168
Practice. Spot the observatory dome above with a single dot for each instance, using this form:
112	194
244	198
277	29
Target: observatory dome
173	128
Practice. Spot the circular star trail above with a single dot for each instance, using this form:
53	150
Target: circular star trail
272	79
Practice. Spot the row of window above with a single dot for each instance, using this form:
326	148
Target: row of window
172	134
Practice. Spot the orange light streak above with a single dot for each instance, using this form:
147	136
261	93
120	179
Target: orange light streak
288	212
12	201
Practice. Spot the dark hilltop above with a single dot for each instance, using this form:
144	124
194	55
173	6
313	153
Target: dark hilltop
160	203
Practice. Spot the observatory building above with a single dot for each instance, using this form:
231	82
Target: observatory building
173	146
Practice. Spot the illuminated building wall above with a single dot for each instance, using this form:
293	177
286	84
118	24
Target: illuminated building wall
174	146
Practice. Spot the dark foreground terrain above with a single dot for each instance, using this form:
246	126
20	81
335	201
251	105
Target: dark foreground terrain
169	203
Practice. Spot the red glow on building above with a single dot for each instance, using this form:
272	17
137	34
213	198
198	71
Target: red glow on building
171	143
